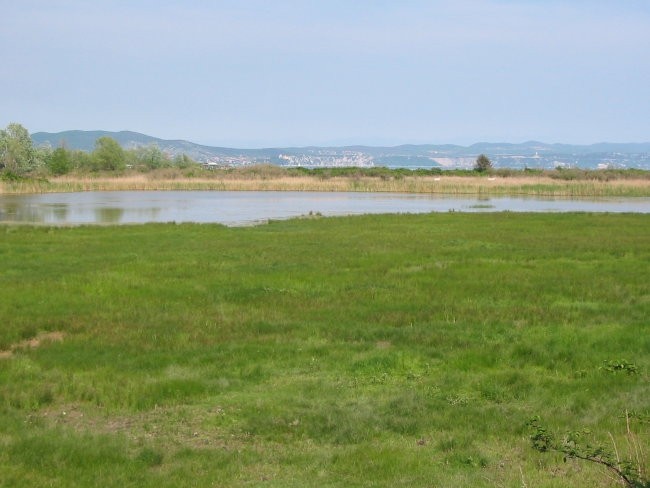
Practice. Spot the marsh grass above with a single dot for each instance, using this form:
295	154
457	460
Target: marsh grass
359	351
273	178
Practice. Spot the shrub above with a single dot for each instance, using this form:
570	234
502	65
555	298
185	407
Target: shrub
576	445
483	163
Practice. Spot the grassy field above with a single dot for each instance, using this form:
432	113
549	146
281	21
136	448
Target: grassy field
361	351
564	183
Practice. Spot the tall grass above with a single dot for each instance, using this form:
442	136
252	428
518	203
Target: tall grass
358	351
281	180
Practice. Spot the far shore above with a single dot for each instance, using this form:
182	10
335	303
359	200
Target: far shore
514	183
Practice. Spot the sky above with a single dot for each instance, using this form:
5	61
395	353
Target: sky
271	73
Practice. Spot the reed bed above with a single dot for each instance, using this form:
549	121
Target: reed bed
453	185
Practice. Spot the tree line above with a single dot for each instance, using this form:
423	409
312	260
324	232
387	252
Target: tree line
18	155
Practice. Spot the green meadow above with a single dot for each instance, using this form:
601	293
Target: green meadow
368	351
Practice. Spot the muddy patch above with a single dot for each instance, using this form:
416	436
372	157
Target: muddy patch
32	343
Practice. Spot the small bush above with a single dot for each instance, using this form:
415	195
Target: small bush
8	175
483	163
621	365
630	471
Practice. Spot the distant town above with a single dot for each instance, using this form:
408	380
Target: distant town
449	159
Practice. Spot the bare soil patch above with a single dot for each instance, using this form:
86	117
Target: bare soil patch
33	343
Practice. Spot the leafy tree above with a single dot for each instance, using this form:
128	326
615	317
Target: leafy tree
40	156
59	162
17	152
108	155
183	161
483	163
81	160
150	157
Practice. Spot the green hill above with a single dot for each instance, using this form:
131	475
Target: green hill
530	154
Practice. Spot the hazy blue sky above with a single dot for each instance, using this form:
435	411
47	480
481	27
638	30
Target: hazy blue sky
274	73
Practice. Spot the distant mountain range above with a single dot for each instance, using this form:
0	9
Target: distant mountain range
531	154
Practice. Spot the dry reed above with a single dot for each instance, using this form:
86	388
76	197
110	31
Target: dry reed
453	185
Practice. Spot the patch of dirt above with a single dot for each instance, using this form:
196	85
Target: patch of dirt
177	426
32	343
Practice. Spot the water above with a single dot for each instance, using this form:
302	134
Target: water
246	208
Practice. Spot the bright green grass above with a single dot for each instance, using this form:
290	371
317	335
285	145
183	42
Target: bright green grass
360	351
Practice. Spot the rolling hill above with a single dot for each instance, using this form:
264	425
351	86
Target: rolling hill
530	154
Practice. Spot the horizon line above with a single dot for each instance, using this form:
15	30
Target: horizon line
326	144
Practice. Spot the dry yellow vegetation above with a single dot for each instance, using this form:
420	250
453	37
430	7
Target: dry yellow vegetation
235	181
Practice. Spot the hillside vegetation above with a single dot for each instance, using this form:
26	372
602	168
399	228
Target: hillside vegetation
359	351
25	168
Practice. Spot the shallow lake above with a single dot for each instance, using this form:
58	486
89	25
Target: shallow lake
245	208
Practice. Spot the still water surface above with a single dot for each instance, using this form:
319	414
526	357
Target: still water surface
245	208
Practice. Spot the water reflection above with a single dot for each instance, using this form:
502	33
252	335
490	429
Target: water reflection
241	208
14	211
108	215
60	212
147	214
9	210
